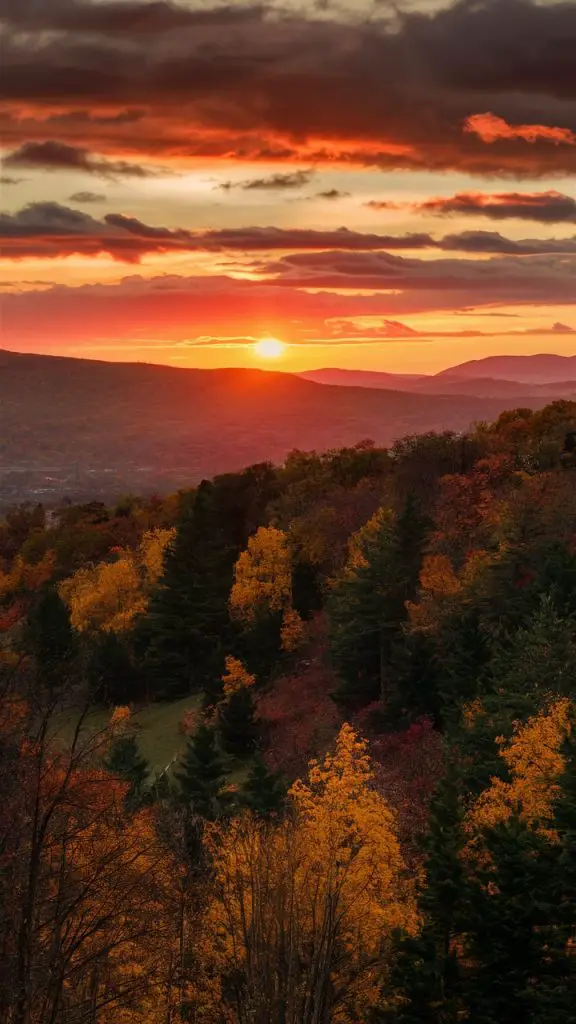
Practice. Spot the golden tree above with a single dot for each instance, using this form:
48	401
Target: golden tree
299	918
262	577
109	595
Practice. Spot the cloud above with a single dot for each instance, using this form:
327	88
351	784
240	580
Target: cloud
489	128
332	194
545	207
494	242
88	197
58	156
276	182
559	328
256	81
416	284
52	230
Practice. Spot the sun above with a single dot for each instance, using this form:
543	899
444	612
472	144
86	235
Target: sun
269	348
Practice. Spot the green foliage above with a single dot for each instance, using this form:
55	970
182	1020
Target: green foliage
264	792
237	725
427	973
201	777
125	761
50	639
367	604
184	632
112	675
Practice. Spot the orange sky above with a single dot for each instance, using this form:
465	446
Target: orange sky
199	178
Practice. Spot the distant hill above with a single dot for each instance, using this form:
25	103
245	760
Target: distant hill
538	369
75	426
448	382
363	378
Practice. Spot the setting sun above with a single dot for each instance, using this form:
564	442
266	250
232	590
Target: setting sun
269	348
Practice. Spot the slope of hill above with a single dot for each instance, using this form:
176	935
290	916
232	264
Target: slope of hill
538	369
446	383
79	426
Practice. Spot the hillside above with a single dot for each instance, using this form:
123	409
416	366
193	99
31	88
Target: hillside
538	369
79	426
497	377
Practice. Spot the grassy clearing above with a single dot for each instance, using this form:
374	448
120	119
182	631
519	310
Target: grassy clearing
156	728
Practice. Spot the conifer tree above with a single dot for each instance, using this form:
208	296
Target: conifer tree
427	974
237	724
367	605
125	761
185	628
112	675
263	792
509	927
202	775
50	639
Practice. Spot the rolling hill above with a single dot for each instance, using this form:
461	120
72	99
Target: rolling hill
548	376
75	426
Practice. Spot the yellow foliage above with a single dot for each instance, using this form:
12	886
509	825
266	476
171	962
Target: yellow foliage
237	677
307	903
23	576
535	761
120	720
109	595
292	633
360	541
437	575
262	576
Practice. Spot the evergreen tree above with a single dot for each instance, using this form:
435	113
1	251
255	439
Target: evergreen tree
264	792
367	604
125	761
112	675
51	640
187	621
202	774
510	929
238	728
427	973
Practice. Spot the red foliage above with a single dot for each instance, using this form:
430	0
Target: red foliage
410	764
299	716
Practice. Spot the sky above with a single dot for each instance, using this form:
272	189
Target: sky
378	185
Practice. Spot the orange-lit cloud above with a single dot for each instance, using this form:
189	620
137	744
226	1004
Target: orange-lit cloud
490	128
546	207
254	81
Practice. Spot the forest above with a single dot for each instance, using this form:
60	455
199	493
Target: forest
297	744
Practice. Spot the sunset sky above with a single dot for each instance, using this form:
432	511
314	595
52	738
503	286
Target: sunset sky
376	185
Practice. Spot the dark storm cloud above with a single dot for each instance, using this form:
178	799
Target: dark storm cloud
59	156
253	81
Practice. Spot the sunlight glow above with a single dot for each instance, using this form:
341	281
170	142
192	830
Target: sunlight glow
269	348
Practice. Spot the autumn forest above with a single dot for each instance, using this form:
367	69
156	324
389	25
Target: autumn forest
297	745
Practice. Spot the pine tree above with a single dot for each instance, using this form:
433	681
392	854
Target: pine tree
427	973
125	761
51	640
263	792
185	628
112	675
202	774
509	926
238	728
367	604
